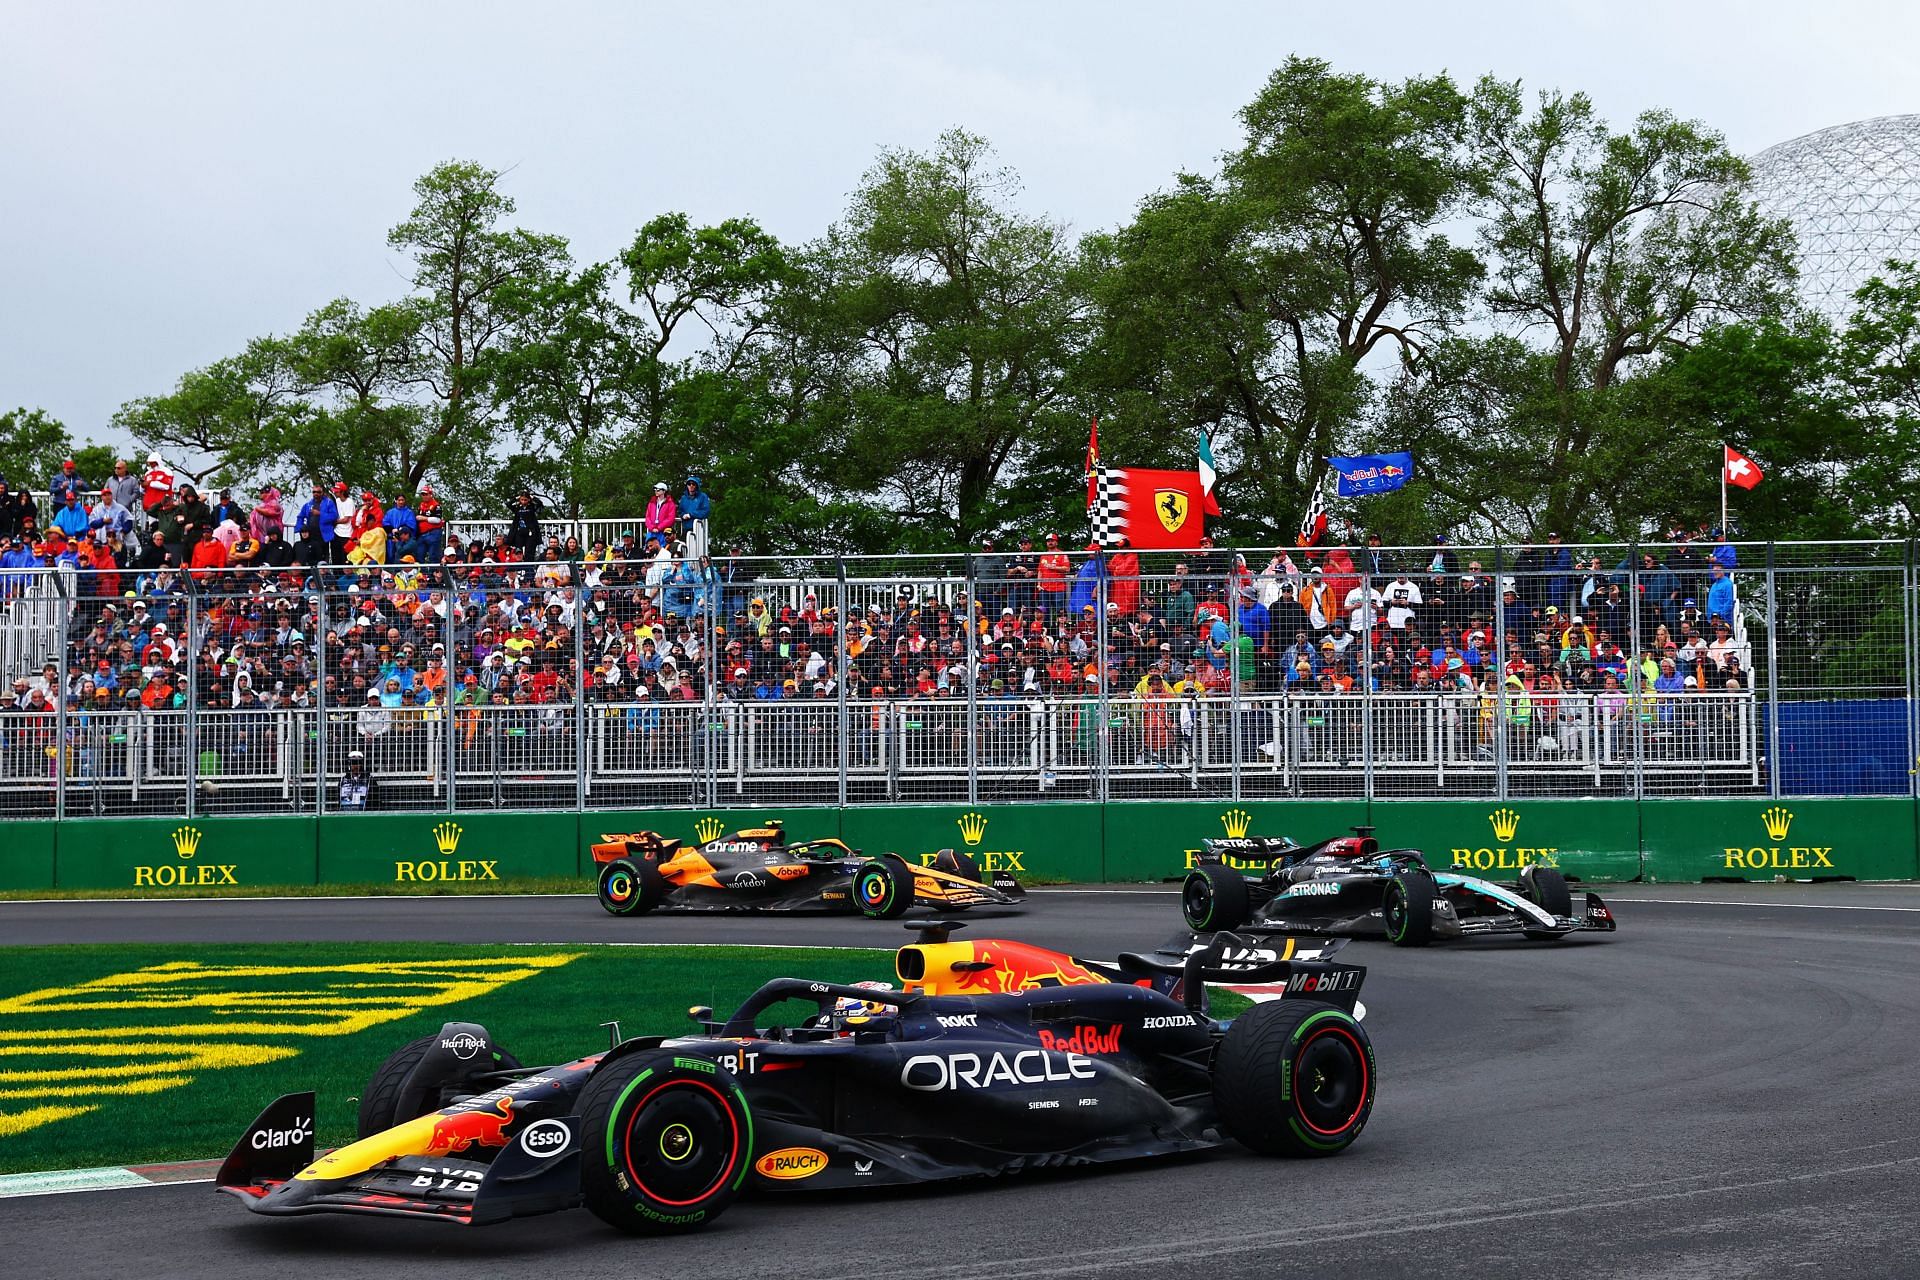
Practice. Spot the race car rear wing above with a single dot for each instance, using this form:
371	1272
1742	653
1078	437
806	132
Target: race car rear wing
1241	959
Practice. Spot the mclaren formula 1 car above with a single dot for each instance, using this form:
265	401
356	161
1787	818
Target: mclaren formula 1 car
1349	887
991	1057
760	870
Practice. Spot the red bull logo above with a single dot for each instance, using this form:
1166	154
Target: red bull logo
1084	1040
464	1129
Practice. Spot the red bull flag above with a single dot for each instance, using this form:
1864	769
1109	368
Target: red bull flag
1372	472
1152	510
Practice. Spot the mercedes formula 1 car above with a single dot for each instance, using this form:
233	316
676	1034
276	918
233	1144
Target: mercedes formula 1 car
991	1057
1347	886
759	870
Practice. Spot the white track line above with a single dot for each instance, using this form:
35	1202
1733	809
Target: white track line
1786	906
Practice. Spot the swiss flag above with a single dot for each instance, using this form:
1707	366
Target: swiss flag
1739	470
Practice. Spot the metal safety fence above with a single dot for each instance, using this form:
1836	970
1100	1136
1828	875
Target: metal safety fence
1757	669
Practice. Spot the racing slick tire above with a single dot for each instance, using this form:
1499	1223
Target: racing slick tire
666	1142
883	887
1215	898
1406	908
1546	889
386	1102
1294	1078
630	886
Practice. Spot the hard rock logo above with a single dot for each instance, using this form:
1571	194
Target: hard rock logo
1506	825
708	828
1778	821
972	827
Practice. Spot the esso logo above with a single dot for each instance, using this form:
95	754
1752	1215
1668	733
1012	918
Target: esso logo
545	1138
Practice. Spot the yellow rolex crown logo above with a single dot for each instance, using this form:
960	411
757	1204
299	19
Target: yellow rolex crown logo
708	828
1505	823
446	838
1236	821
972	827
1777	820
186	841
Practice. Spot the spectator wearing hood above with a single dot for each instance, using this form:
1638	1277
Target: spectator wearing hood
523	520
267	519
156	485
695	509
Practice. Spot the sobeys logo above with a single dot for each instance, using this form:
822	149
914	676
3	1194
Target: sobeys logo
1506	825
186	843
708	828
973	828
1236	823
446	841
1778	821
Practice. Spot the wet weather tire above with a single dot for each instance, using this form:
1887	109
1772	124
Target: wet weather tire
883	888
1214	898
1407	910
1295	1078
386	1101
666	1142
629	886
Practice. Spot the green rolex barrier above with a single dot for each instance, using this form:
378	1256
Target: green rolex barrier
1048	842
27	855
1158	840
697	826
430	848
1589	840
182	854
1691	840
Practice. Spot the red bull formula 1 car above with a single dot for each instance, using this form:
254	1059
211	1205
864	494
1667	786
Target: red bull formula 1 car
1348	887
760	870
991	1057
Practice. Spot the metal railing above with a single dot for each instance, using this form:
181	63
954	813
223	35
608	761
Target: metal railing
889	680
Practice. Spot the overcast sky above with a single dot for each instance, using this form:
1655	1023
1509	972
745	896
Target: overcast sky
176	178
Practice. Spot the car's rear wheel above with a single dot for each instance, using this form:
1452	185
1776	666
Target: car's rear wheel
1406	908
1295	1078
883	888
667	1142
386	1101
629	886
1215	898
1546	889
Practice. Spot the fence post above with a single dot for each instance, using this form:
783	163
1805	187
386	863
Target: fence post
1234	673
191	730
322	635
1103	735
62	610
973	683
453	684
1366	683
1636	690
840	679
1773	680
1498	671
581	759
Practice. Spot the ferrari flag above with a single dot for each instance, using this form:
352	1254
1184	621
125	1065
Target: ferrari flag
1739	470
1152	510
1372	472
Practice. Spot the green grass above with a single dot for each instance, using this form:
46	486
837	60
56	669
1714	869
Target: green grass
176	1048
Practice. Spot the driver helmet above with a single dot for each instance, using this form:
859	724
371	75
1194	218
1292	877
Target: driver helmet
850	1013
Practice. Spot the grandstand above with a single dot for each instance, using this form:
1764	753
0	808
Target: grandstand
575	680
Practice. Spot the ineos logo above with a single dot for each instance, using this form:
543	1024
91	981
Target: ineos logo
545	1138
464	1045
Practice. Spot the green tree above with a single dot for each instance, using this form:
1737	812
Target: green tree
1254	303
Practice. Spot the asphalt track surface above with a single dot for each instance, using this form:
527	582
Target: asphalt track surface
1726	1087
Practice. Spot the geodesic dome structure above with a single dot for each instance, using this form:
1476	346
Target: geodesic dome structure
1852	193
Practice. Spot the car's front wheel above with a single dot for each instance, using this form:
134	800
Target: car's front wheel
1215	898
387	1101
667	1142
1295	1078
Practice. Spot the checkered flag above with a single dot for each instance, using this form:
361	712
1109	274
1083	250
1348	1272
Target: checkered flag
1109	514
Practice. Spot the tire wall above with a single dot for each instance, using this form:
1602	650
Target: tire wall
1592	840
